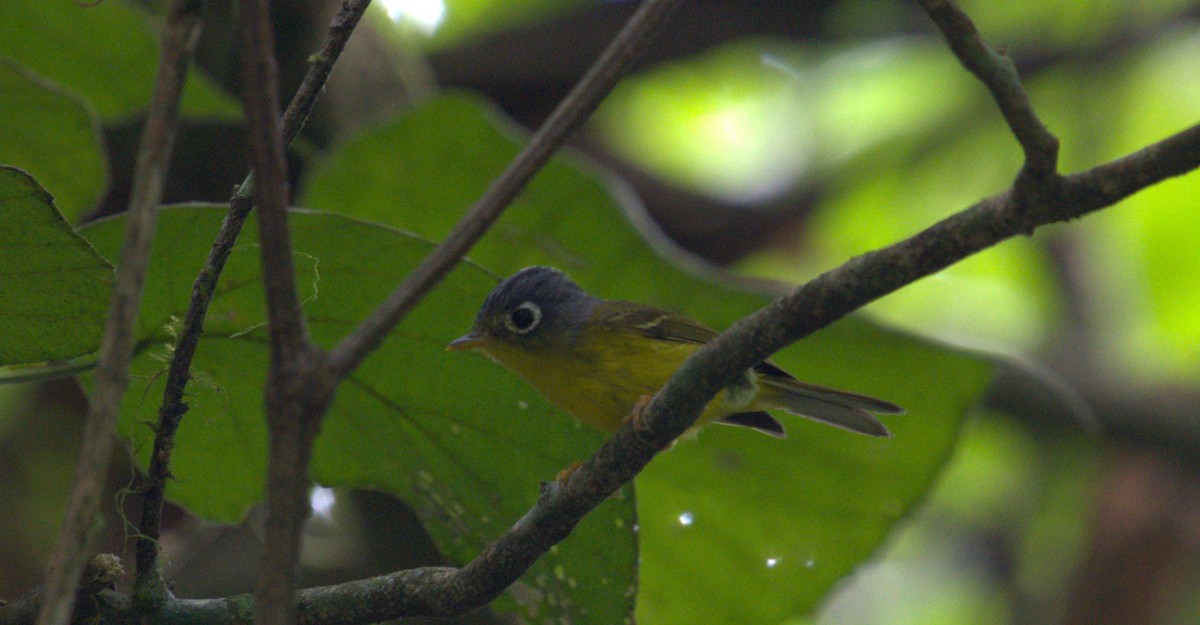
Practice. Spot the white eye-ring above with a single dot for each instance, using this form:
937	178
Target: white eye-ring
524	319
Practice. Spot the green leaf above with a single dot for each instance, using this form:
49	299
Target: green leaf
56	287
103	51
780	522
53	136
412	421
823	494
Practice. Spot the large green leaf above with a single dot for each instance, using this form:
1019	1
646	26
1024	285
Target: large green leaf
103	51
823	495
412	421
56	287
54	137
779	522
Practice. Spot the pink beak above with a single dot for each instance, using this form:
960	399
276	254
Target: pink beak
469	341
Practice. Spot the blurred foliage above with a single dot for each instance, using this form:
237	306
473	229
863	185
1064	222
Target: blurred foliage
950	565
735	123
1066	25
1143	257
858	113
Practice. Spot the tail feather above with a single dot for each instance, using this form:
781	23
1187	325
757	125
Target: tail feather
843	409
761	421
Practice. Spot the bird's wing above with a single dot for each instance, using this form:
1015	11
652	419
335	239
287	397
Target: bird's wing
667	326
653	323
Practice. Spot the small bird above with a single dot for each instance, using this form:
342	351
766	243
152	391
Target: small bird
601	360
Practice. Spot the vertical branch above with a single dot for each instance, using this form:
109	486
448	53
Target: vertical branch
299	387
148	585
173	408
112	373
260	84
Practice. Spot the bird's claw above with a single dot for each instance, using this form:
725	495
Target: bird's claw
635	415
564	476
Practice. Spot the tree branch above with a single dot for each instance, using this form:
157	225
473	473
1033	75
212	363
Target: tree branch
564	120
172	408
260	85
299	388
866	278
997	72
112	373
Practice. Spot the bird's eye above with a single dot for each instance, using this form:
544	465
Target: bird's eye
525	318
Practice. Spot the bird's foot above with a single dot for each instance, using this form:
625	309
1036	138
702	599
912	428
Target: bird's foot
635	415
564	476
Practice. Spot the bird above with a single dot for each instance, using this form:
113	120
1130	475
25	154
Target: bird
601	360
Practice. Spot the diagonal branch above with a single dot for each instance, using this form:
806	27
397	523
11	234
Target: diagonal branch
564	120
863	279
112	373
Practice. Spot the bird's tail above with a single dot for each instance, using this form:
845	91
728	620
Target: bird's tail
843	409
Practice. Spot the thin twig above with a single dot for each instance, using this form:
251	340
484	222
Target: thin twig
172	408
170	413
112	373
320	65
562	122
997	72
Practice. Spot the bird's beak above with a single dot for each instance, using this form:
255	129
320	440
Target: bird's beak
469	341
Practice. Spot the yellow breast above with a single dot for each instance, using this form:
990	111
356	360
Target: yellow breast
600	378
